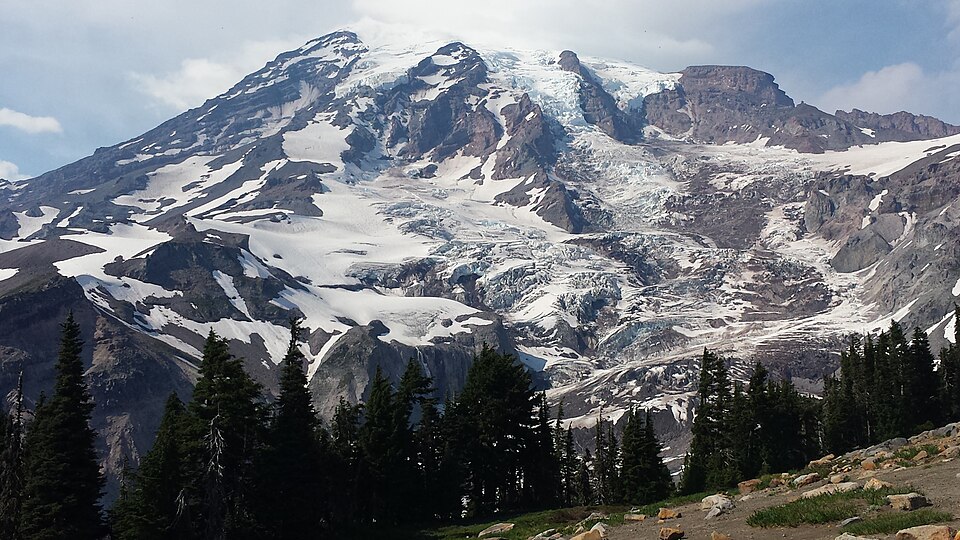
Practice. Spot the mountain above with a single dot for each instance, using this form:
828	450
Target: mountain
603	221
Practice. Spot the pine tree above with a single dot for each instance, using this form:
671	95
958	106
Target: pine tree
743	436
542	483
11	468
707	463
63	483
226	425
149	504
346	465
949	375
660	481
919	380
290	463
583	492
413	407
378	437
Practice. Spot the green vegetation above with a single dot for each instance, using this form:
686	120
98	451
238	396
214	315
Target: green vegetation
891	522
823	509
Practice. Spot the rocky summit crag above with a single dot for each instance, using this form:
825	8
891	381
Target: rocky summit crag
603	221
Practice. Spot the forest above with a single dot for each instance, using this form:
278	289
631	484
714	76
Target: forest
233	463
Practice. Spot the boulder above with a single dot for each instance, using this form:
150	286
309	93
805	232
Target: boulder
927	532
668	513
634	517
868	464
822	461
776	482
876	483
548	534
496	529
600	528
838	478
828	489
719	500
749	486
907	502
589	535
951	452
720	536
921	455
714	512
670	533
596	515
848	536
806	479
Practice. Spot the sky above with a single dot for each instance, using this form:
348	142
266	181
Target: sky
83	74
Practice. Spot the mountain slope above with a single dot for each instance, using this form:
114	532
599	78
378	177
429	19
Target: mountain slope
420	200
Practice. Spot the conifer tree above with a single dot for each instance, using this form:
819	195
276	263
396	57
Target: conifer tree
149	504
291	459
226	423
919	381
346	462
707	463
11	468
378	438
414	412
583	491
660	481
949	376
63	483
542	481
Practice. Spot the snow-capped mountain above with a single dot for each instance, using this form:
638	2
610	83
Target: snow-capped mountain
603	221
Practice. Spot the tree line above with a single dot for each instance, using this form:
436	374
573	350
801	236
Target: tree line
232	464
887	386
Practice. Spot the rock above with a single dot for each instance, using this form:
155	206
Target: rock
749	486
907	502
720	536
848	521
876	483
775	482
668	513
822	461
548	534
848	536
927	532
719	500
828	489
589	535
634	517
596	515
806	479
496	529
895	444
714	512
951	452
600	528
838	478
669	533
868	464
921	455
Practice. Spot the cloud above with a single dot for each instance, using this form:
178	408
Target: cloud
199	79
30	124
896	88
10	171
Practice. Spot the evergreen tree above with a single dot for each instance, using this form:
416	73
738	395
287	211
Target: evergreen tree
919	381
345	463
413	409
744	435
707	463
583	492
493	425
949	376
226	423
63	483
11	468
378	438
149	507
291	460
660	483
542	480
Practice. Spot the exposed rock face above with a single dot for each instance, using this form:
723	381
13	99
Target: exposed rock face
899	126
599	107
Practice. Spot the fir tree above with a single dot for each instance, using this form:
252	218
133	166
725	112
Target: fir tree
919	380
290	466
226	419
378	440
11	468
149	504
63	483
707	463
949	375
583	490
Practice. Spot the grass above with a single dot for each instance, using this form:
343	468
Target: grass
530	524
908	453
891	522
823	509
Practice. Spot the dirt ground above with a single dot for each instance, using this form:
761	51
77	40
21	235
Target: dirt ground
939	482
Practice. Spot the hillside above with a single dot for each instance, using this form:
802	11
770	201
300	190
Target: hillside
603	221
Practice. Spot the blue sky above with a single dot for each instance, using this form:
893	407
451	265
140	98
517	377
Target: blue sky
78	75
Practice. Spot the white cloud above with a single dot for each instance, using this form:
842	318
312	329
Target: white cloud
30	124
10	171
199	79
896	88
